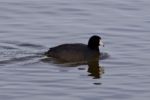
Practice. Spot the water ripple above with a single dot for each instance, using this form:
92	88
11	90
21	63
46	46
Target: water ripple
29	28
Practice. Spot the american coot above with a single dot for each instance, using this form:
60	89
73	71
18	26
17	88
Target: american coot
77	52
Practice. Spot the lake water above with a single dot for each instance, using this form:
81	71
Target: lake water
29	27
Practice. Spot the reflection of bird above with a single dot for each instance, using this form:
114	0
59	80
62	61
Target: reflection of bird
77	52
95	70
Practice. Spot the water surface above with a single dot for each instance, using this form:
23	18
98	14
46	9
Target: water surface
29	27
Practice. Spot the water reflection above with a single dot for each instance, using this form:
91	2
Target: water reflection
94	69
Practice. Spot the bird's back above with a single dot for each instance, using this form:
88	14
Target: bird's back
68	52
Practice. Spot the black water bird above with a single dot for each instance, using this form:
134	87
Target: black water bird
77	52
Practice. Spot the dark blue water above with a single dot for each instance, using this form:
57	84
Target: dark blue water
29	27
